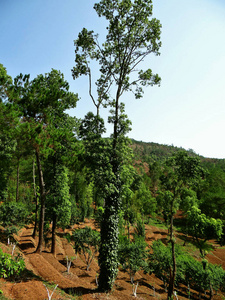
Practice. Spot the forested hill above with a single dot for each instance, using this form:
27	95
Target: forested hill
151	152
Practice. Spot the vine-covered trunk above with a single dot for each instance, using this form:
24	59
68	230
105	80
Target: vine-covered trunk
108	252
42	198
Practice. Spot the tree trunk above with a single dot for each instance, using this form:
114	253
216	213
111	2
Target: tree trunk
53	248
42	198
173	268
36	202
17	181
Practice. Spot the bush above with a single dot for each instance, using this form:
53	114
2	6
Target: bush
132	255
86	242
10	266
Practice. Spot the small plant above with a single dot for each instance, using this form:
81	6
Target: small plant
68	262
50	296
10	266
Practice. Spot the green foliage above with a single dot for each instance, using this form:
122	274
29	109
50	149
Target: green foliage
144	201
97	154
9	266
5	83
86	242
43	95
13	213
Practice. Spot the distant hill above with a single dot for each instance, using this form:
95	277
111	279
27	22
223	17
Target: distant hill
150	152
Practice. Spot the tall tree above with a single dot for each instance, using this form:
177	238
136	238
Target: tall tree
131	36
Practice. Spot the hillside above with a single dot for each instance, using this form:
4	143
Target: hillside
151	152
79	283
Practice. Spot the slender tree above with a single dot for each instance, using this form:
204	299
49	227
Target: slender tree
181	172
131	36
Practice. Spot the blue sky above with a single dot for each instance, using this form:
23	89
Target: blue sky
188	110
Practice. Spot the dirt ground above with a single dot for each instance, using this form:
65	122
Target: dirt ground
47	271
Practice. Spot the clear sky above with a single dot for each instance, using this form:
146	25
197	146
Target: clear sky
188	110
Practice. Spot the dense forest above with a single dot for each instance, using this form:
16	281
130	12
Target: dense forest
57	170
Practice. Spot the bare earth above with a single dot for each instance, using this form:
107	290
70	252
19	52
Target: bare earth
48	269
